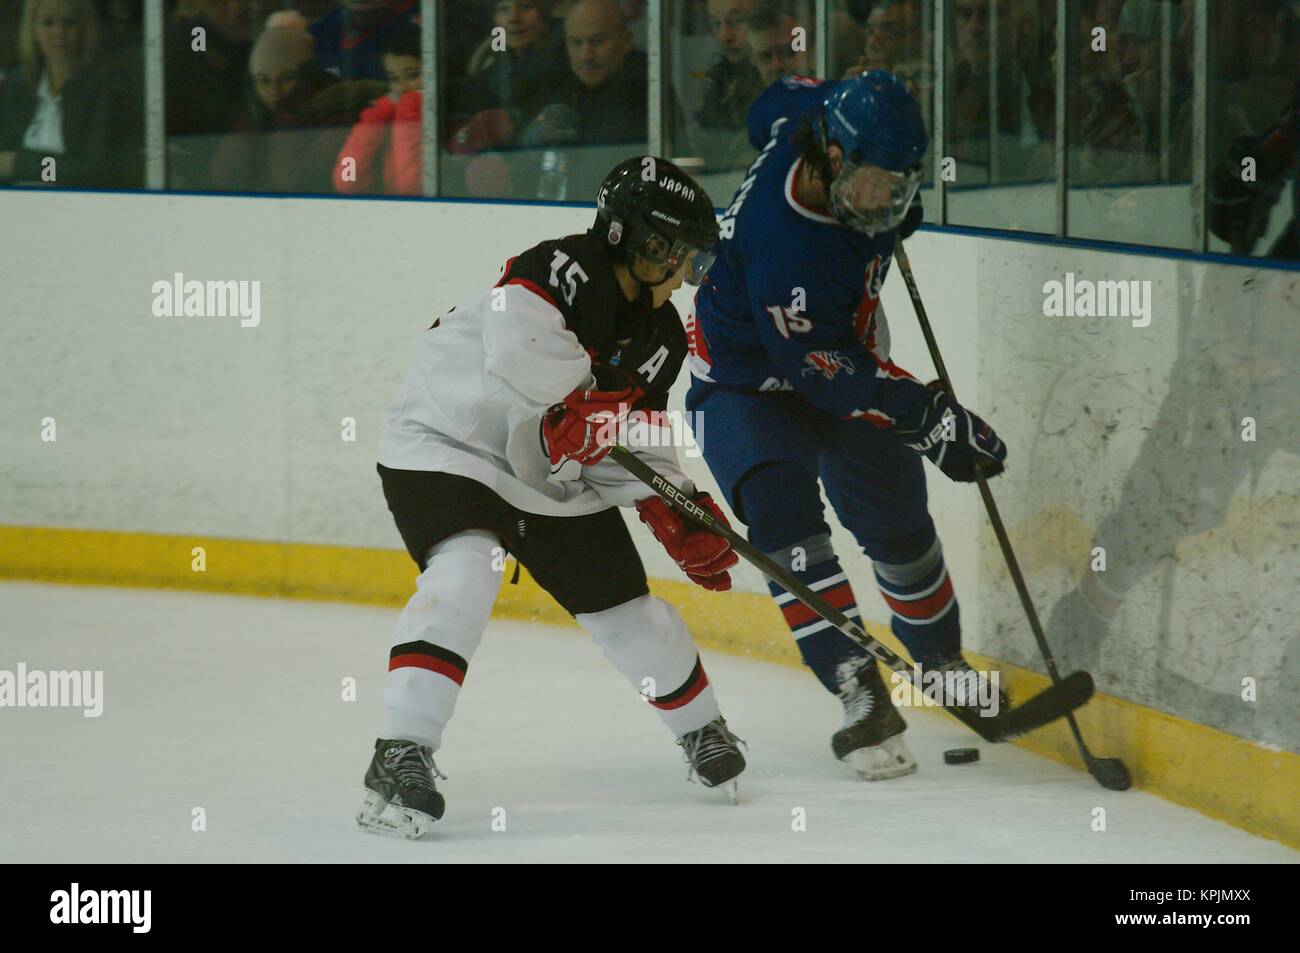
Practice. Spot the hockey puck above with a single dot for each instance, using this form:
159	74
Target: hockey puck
961	755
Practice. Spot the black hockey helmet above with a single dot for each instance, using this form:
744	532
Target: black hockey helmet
651	208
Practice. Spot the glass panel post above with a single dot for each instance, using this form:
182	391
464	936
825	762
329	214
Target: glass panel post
1062	142
1200	114
429	60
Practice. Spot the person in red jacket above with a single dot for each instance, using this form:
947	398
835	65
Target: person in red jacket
382	153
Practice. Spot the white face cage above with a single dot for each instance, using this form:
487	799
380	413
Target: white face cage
872	200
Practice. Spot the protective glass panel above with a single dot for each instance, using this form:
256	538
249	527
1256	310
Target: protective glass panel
1130	121
1254	86
721	54
320	98
71	94
542	100
1000	114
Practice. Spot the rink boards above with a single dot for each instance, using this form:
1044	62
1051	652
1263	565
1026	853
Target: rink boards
173	433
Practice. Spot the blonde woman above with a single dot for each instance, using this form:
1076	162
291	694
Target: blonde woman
61	121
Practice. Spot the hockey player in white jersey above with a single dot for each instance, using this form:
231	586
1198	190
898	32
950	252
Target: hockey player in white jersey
497	441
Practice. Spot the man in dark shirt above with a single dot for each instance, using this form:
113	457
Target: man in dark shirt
732	84
599	108
733	81
608	87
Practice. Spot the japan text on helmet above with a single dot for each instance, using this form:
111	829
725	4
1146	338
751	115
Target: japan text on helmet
650	208
876	121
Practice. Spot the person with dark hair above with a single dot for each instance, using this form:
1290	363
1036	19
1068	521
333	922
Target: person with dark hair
775	47
348	40
733	82
893	37
205	62
205	55
63	119
509	76
497	441
382	155
791	365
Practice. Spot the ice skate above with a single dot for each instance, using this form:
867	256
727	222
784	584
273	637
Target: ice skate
401	800
713	753
872	737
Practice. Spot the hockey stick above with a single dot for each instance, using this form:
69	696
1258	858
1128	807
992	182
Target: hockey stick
1109	772
1058	699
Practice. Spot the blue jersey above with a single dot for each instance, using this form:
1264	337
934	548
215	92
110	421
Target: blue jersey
793	300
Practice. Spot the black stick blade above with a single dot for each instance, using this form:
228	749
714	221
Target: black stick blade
1110	773
1055	701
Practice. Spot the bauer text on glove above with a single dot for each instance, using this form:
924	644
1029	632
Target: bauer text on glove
956	440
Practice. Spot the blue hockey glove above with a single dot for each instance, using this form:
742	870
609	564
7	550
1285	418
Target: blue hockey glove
956	440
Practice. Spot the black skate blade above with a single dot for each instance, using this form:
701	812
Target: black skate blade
1055	701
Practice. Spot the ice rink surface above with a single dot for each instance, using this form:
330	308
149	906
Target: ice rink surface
234	705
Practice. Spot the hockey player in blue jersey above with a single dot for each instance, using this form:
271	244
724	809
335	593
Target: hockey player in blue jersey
789	355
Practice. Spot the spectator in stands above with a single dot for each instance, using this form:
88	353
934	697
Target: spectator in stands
205	59
59	106
284	141
516	79
733	82
601	102
778	44
893	36
604	99
1005	147
382	154
1121	132
348	39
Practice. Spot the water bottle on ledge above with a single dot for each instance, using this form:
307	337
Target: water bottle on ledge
553	183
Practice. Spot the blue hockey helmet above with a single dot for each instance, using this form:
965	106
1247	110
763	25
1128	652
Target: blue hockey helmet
876	120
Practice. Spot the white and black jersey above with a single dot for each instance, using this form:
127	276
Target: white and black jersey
486	372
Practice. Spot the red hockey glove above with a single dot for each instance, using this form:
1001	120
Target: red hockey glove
703	556
586	425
